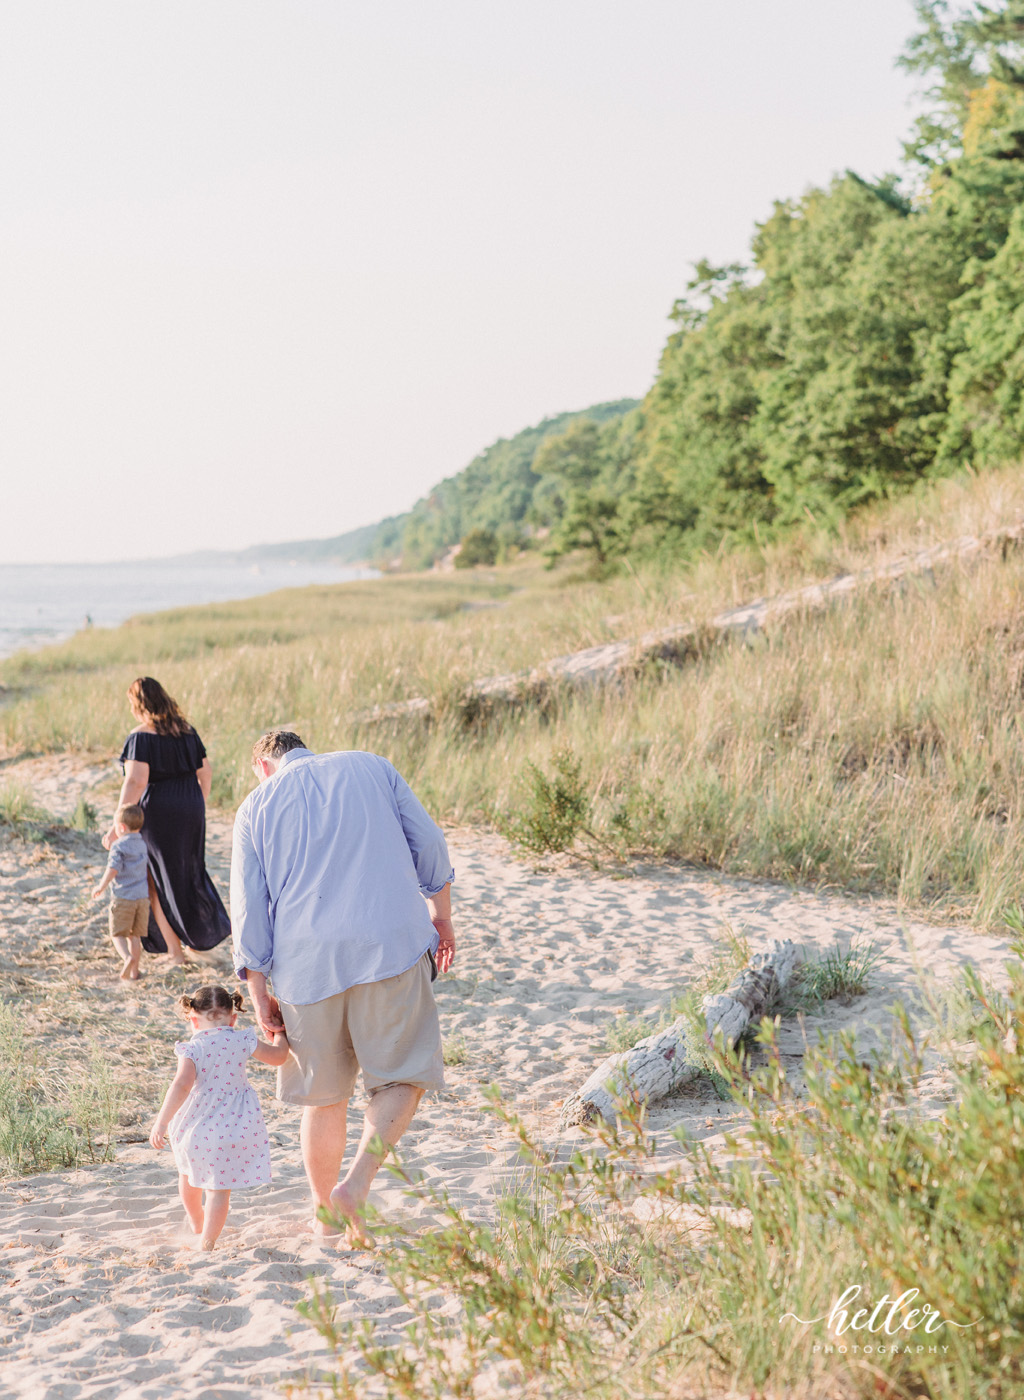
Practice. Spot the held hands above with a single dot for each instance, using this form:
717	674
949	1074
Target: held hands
108	839
269	1018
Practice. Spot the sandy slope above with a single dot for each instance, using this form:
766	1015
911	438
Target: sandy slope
100	1292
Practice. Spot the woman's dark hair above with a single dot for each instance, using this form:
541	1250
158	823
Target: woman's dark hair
210	1000
156	707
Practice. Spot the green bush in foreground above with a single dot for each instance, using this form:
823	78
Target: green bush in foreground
809	1263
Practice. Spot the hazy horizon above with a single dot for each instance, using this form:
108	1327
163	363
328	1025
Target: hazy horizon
270	273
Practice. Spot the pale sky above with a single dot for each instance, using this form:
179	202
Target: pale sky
270	270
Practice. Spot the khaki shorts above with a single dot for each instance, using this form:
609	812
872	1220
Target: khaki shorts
387	1029
129	918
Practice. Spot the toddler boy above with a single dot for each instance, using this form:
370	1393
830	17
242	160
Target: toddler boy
129	895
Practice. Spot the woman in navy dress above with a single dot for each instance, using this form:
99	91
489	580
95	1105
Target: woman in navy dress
167	772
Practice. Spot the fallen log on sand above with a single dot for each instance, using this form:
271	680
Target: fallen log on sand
658	1065
613	661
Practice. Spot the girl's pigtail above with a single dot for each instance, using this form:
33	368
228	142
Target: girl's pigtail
185	1003
237	1000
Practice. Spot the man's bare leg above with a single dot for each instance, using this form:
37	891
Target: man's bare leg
322	1136
388	1114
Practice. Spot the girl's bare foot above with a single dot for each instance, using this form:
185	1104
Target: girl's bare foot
206	1244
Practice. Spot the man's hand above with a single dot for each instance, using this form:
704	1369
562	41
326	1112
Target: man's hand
445	954
268	1015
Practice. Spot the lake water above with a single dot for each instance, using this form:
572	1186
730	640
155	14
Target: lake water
43	603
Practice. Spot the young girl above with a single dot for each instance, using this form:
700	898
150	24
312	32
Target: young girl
211	1113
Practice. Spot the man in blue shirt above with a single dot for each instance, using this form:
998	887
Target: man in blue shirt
340	895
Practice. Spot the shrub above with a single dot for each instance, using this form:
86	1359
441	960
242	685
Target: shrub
478	547
556	808
84	817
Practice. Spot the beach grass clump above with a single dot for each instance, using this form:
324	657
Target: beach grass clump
455	1049
838	973
18	810
845	1246
50	1120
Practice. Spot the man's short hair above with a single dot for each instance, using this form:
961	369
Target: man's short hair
275	743
132	816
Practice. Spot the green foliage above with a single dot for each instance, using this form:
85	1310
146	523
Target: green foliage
18	809
478	547
455	1049
555	808
498	492
691	1277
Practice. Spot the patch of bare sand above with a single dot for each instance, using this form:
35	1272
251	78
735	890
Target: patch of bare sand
100	1290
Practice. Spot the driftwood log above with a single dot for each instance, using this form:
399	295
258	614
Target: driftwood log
658	1065
613	661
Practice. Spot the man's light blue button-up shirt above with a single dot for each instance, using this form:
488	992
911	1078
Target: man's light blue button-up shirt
331	858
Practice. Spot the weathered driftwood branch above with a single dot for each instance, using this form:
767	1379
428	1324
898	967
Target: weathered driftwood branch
613	661
658	1065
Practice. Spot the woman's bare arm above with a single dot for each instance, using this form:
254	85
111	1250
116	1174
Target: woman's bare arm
136	780
204	775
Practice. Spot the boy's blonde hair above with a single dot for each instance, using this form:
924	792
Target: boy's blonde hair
132	816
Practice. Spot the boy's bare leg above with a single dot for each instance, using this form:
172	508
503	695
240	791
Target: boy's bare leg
214	1215
192	1200
174	948
322	1137
130	971
388	1114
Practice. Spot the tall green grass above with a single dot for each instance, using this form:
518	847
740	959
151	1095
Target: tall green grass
877	746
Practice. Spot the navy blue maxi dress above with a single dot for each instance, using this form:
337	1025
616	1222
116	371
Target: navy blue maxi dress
175	834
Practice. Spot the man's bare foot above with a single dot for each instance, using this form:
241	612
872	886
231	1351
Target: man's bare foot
348	1213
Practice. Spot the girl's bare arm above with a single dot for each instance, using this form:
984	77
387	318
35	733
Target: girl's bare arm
275	1054
176	1095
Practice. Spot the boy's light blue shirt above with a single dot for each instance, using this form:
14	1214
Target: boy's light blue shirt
128	858
330	861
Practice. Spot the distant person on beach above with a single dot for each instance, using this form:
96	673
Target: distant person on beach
128	882
340	894
167	772
211	1114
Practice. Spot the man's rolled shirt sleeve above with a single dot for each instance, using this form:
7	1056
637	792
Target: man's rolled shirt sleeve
425	839
252	931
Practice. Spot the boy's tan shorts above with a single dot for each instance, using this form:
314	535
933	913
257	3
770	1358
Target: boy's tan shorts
129	918
387	1029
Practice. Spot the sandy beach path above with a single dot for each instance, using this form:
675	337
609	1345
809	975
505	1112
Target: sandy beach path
100	1291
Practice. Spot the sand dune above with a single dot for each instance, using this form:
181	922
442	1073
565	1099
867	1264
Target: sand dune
101	1292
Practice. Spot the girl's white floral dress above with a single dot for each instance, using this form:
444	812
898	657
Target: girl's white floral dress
218	1136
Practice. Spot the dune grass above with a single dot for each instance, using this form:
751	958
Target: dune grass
846	1247
876	747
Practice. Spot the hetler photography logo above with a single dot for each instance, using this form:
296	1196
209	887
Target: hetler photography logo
893	1321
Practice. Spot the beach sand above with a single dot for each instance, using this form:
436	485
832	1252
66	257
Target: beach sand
101	1290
